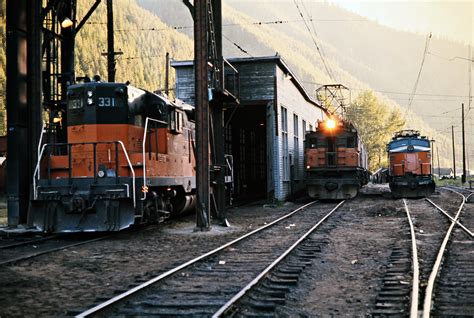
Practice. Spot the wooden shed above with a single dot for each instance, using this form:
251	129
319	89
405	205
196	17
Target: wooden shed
265	133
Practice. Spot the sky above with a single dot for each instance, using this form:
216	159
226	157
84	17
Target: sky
444	18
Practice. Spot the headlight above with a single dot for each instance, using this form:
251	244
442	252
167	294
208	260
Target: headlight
101	173
90	93
90	101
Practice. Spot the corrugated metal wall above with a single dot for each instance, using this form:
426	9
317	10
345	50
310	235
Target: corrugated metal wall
258	81
289	97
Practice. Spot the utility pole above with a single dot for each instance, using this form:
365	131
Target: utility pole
167	74
110	43
463	178
437	154
454	154
202	114
471	61
432	155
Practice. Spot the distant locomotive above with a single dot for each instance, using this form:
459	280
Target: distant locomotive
129	158
336	161
410	165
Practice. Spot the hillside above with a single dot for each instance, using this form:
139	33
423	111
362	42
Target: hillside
143	59
361	54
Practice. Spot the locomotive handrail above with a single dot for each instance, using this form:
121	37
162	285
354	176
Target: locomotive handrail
144	155
133	171
35	194
70	145
40	140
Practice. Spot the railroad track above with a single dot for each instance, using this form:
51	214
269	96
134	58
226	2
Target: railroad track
415	272
415	262
450	291
16	241
399	292
225	279
27	249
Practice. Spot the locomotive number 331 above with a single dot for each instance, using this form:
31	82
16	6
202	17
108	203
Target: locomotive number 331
106	102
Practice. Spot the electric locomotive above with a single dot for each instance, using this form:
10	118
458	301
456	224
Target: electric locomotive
335	160
410	165
129	158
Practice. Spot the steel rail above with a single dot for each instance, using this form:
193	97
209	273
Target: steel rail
166	274
263	274
28	242
415	265
467	198
22	258
450	217
436	267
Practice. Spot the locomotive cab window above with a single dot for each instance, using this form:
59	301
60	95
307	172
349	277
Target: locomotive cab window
351	142
176	121
312	142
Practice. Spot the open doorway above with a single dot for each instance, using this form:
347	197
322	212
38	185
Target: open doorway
246	142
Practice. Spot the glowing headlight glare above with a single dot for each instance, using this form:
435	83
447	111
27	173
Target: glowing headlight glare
330	123
90	93
90	101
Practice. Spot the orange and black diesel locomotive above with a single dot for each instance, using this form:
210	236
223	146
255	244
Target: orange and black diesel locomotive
335	160
129	158
410	165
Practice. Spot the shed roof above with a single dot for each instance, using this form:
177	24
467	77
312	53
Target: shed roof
277	59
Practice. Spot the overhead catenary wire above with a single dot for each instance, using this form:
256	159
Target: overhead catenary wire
315	32
140	57
393	92
412	96
236	45
257	23
314	41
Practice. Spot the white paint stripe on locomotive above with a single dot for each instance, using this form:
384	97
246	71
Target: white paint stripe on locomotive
405	149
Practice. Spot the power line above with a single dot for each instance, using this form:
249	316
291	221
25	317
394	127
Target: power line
236	45
314	41
140	57
427	44
393	92
314	30
240	24
427	100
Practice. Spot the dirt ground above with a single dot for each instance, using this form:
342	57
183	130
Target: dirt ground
344	280
63	282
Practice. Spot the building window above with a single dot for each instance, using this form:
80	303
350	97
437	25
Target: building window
296	147
304	128
284	135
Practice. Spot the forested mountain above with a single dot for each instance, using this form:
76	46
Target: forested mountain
143	59
360	54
